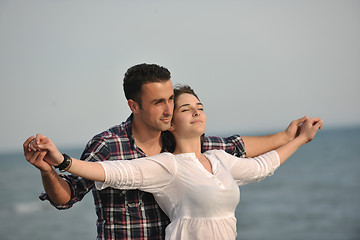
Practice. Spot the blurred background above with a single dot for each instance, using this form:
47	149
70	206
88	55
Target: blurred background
256	65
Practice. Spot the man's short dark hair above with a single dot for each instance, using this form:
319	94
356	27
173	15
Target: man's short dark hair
140	74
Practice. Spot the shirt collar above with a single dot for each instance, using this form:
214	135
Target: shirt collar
191	156
214	161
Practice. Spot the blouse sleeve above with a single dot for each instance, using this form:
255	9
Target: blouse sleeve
147	174
247	170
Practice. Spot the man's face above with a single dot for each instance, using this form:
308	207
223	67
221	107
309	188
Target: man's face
157	105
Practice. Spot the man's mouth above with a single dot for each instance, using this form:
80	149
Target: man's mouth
165	120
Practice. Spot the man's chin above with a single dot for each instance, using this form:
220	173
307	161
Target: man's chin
164	127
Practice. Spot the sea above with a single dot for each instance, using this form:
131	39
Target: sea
315	195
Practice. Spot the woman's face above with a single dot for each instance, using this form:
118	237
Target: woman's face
189	119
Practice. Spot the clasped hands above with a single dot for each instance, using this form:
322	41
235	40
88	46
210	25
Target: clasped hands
41	152
304	127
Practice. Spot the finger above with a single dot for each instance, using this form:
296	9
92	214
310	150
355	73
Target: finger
41	156
310	122
39	137
314	119
29	155
300	120
321	125
318	125
32	157
26	144
32	145
45	144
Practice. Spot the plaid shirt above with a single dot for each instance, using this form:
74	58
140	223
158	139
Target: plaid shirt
128	214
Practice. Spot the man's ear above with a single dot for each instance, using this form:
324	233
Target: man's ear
134	106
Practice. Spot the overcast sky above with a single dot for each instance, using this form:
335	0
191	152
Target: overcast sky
256	65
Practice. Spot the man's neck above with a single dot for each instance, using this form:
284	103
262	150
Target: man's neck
148	140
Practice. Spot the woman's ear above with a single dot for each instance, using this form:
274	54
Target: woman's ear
172	128
134	106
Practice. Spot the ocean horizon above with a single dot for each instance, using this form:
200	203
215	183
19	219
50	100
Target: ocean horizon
314	195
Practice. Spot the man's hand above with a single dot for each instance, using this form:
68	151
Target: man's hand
41	151
35	157
293	129
43	154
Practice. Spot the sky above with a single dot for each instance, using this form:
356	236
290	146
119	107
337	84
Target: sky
256	65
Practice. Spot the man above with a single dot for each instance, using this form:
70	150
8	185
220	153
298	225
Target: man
134	214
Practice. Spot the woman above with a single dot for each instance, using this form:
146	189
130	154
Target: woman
198	191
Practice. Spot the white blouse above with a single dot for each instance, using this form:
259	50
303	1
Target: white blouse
200	205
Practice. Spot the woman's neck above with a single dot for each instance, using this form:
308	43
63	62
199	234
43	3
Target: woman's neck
188	145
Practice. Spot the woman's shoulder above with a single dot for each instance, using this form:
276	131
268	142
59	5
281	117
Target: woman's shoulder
216	152
164	156
163	160
222	156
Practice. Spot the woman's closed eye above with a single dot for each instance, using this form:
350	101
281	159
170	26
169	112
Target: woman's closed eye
187	109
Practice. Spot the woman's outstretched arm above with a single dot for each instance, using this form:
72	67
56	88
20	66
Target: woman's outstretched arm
247	170
88	170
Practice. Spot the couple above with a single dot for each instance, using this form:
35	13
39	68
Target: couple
191	187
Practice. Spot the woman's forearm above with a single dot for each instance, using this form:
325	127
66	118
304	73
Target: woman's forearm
289	149
88	170
308	131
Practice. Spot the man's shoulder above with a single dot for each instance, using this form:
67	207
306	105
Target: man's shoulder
115	141
114	131
214	140
121	132
232	144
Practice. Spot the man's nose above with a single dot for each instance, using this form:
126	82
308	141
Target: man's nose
169	108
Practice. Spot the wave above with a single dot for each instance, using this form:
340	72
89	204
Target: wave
28	207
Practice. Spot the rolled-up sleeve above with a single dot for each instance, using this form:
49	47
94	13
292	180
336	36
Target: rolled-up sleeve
147	174
233	145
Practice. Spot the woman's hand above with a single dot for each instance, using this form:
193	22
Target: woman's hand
309	129
42	143
36	158
42	151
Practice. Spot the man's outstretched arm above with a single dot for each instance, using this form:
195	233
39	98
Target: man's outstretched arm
256	145
56	187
